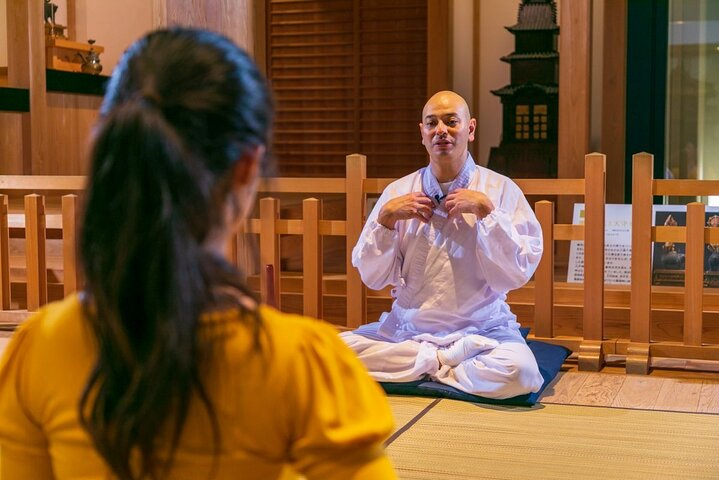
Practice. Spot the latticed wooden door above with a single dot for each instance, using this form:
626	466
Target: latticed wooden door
349	76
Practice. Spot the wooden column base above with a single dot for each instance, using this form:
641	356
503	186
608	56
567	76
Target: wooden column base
591	357
638	358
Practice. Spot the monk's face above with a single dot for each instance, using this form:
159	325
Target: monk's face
446	127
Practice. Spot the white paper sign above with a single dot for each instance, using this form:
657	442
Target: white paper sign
617	245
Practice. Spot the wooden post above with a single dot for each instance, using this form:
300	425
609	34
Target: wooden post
4	255
356	291
35	251
544	276
312	257
590	351
70	260
694	274
269	247
641	286
439	48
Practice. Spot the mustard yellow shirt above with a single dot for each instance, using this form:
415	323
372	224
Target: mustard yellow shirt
305	404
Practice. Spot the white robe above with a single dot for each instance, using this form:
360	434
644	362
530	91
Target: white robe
451	278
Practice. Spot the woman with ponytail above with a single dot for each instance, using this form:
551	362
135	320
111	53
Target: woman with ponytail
165	365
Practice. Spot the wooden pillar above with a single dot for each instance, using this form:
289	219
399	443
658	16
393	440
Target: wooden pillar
613	96
235	18
574	86
26	60
439	50
574	103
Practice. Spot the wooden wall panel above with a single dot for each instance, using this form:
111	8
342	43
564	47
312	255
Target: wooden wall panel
231	17
11	149
70	118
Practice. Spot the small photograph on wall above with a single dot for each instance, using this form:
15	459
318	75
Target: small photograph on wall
669	258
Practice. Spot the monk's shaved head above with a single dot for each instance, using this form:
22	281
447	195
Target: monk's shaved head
446	100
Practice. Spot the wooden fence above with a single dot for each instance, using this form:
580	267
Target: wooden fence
599	322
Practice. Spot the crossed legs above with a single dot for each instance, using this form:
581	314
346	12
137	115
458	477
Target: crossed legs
474	364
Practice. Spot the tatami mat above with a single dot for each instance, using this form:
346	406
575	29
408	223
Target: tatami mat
405	409
459	440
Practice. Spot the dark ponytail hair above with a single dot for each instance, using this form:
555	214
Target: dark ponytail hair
181	108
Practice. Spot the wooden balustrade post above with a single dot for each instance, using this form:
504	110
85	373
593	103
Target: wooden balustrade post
590	350
641	286
70	259
4	254
35	251
544	276
312	257
269	247
694	275
356	291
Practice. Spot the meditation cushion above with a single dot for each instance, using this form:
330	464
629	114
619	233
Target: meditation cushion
549	358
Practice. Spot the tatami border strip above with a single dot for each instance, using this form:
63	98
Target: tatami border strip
409	424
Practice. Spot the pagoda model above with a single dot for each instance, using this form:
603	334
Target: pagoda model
530	102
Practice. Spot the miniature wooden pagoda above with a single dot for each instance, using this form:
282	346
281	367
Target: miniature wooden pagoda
531	101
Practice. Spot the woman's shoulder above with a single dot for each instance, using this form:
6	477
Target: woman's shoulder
292	331
55	322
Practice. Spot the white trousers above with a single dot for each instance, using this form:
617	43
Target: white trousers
502	371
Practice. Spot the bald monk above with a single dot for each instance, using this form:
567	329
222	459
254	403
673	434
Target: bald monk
452	238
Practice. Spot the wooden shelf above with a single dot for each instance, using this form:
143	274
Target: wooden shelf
14	99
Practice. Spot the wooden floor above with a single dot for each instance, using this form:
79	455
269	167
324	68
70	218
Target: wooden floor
672	390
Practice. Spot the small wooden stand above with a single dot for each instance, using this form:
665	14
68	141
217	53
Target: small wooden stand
62	54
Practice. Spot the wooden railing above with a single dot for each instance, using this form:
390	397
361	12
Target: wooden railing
547	305
641	347
38	242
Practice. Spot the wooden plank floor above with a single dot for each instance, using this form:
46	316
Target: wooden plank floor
676	391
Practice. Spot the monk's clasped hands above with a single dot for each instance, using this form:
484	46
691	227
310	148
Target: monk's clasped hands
468	201
412	205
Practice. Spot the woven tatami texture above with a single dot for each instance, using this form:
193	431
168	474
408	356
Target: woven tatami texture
459	440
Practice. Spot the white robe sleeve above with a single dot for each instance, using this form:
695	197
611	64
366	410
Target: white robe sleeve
377	254
509	242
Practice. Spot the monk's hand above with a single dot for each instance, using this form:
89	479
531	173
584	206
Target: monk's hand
412	205
468	201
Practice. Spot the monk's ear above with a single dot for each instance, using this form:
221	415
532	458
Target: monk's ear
472	128
247	167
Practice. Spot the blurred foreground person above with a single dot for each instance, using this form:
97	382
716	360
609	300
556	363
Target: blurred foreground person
165	365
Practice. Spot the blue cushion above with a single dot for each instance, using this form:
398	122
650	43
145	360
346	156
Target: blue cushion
549	358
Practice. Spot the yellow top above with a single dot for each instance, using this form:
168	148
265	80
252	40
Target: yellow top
303	404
